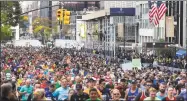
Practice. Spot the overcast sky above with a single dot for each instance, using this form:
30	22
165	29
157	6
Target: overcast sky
24	4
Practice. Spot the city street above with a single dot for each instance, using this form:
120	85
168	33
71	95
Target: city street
93	50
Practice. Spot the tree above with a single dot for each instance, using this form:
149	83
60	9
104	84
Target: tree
7	14
41	27
22	22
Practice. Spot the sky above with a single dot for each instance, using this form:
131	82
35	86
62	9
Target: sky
25	4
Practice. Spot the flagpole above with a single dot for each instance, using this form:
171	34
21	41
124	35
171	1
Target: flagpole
166	38
158	32
157	36
165	24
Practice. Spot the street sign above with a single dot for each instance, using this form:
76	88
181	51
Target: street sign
122	11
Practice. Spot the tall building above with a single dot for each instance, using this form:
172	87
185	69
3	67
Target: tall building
91	27
44	13
178	10
81	5
146	29
128	25
118	4
149	33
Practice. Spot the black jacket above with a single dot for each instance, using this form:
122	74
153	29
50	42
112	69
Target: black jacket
82	97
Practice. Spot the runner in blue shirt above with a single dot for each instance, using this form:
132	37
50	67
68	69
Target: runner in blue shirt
62	92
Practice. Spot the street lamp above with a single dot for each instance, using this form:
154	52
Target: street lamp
153	48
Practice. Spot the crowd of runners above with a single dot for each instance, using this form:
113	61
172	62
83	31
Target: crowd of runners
38	74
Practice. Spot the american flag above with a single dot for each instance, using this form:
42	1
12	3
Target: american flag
150	6
153	13
156	11
161	9
156	17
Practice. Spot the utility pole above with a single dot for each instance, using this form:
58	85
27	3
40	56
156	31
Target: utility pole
60	23
0	25
124	39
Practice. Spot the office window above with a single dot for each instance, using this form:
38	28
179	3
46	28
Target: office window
143	9
140	25
155	33
119	19
146	8
147	23
144	23
160	31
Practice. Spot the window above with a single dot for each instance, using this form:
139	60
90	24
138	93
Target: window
147	23
143	23
142	8
146	8
154	35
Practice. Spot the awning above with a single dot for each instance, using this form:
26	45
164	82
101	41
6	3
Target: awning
180	52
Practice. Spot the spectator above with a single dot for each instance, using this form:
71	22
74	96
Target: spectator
152	95
70	93
94	96
122	87
180	84
105	91
7	93
91	84
162	91
77	81
62	92
145	93
39	95
115	95
170	95
26	90
48	93
132	92
184	92
79	95
94	71
180	98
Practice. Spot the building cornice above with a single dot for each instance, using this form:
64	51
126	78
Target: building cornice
96	14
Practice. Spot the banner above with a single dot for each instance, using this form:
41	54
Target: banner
136	63
169	26
120	30
122	11
81	29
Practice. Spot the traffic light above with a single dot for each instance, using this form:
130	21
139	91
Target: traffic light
66	18
59	14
